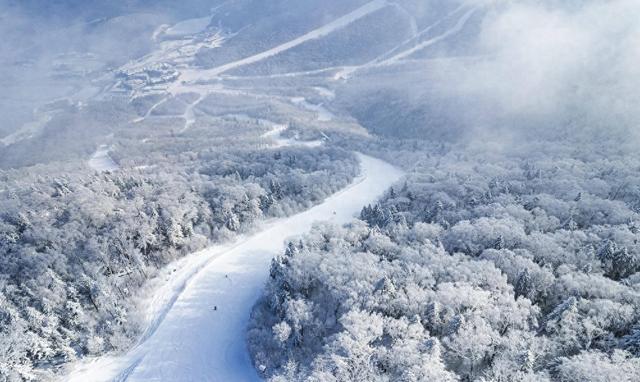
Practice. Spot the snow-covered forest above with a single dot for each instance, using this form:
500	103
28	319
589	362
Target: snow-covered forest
75	247
510	252
511	266
444	190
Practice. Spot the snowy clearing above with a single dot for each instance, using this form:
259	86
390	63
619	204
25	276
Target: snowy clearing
197	330
101	161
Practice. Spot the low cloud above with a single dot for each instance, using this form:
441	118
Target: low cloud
553	62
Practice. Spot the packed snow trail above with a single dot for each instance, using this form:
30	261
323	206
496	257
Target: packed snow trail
200	335
339	23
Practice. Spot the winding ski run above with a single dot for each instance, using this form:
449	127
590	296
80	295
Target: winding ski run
200	313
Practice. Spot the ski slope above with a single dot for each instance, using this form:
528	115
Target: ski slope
339	23
418	47
197	330
346	72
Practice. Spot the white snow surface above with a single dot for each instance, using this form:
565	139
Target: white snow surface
186	338
101	161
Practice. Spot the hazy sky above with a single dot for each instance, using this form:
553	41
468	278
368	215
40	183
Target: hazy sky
554	63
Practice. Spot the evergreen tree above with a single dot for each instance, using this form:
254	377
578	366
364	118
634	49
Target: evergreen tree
524	285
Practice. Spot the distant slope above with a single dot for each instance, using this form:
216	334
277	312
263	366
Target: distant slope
314	34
